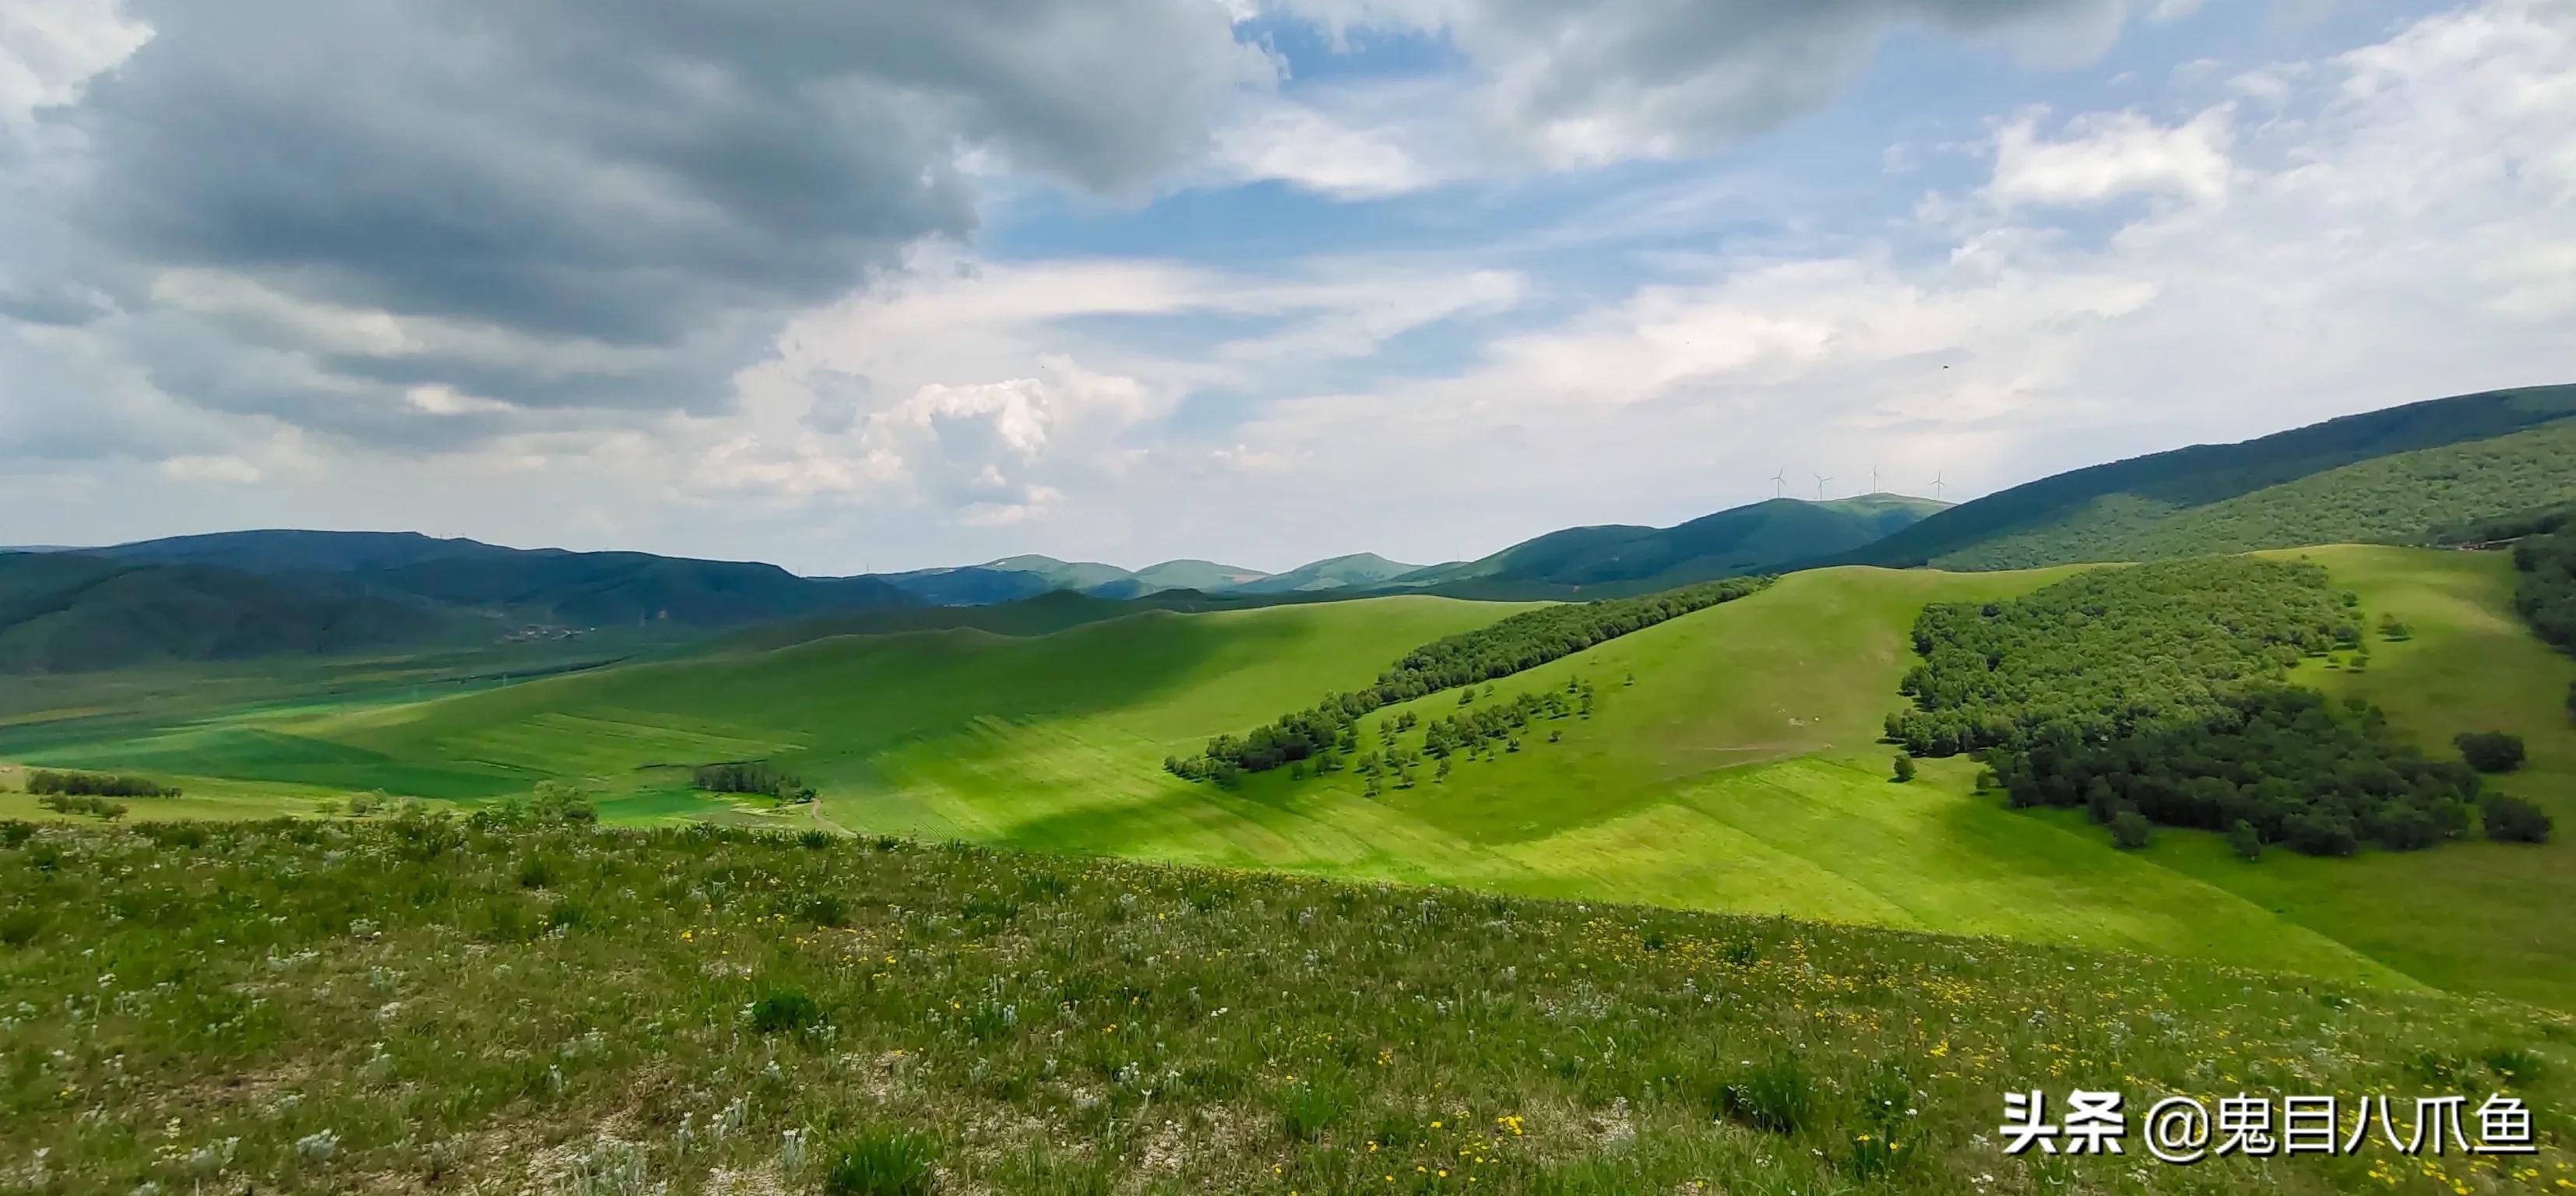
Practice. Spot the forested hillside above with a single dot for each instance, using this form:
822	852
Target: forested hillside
2406	498
2155	694
2109	509
65	612
1628	559
1507	646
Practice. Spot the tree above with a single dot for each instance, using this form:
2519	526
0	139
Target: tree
1904	767
2247	841
2490	751
1441	773
2512	820
2129	830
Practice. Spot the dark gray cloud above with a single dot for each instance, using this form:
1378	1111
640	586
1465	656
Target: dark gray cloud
581	205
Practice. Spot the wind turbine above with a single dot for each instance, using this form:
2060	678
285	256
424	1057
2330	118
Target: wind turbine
1873	479
1820	486
1936	486
1780	483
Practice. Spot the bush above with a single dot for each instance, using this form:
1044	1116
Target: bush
2247	841
2490	751
785	1009
1776	1095
2129	830
2513	820
882	1164
1904	767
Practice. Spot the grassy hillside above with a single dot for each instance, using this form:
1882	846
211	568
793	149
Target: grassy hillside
2059	519
63	612
1731	543
1739	770
2398	499
400	1005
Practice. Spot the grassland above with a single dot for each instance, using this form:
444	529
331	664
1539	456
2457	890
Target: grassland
418	1005
1731	764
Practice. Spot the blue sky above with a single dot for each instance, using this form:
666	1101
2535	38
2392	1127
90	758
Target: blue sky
888	286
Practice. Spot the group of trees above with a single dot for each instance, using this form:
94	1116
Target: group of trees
752	776
2153	695
92	784
2109	650
2545	589
1508	646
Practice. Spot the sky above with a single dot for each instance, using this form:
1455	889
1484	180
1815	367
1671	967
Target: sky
876	285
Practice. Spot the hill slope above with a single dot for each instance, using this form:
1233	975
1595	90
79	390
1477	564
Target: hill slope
67	612
586	589
1731	543
1356	571
1738	770
1034	1025
2107	511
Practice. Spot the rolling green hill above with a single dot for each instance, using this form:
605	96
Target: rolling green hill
67	612
1627	559
293	551
543	585
2403	498
1732	763
1356	571
2179	502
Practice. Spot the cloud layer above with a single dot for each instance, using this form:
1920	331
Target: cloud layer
700	280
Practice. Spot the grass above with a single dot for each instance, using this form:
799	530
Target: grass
1731	765
384	1005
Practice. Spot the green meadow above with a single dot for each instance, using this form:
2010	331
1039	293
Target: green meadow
1731	763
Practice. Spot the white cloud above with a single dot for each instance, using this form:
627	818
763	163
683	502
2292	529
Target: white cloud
51	49
2108	155
228	469
1299	144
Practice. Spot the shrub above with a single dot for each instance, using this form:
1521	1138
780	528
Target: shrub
2490	751
816	839
2247	841
15	832
1775	1095
1904	767
882	1164
2129	830
2513	820
18	927
786	1009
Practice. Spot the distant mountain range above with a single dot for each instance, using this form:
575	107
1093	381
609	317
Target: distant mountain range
1620	558
2389	476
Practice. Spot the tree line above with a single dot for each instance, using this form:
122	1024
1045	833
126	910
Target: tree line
2155	695
1506	646
92	784
751	776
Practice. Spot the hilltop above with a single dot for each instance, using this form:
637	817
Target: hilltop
2388	476
1620	558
